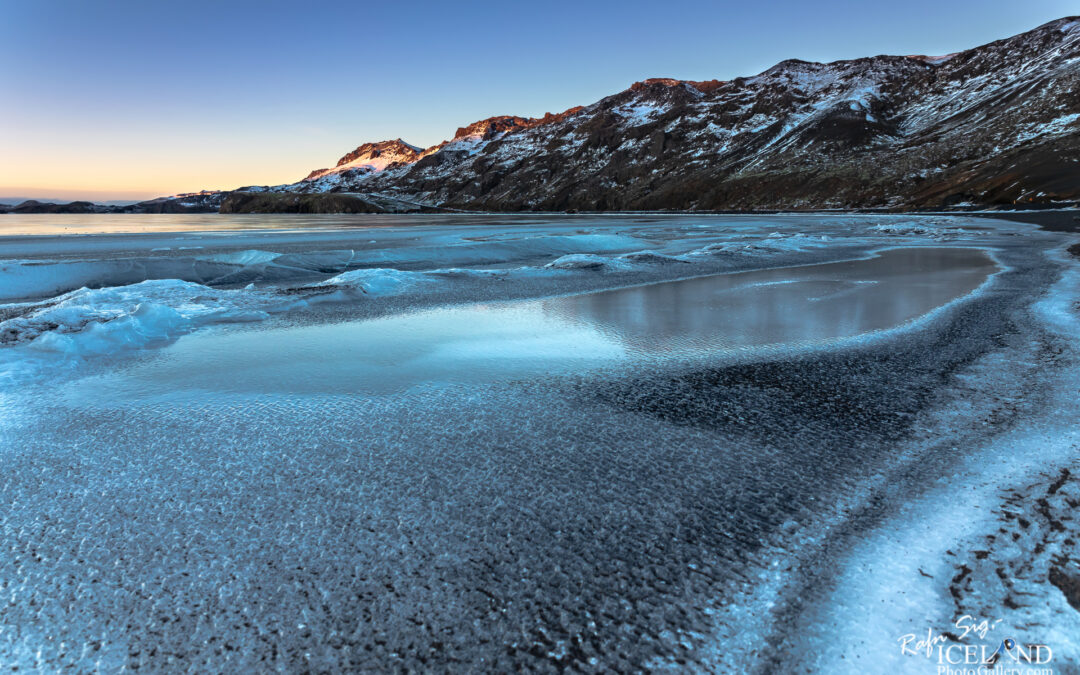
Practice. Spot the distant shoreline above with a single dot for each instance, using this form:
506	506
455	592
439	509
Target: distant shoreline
1063	219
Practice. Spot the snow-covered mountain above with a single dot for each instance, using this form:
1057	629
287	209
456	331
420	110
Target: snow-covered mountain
367	159
994	125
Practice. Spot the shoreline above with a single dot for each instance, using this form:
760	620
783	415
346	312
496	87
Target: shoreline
1054	216
1051	220
923	560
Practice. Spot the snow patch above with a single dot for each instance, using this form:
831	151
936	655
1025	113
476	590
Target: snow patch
1055	127
638	113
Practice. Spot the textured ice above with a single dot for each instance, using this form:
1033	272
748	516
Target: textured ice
991	536
38	279
928	228
650	257
154	308
376	281
463	464
587	261
109	321
500	251
42	279
244	258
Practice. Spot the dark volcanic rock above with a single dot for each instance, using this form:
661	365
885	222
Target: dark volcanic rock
493	126
196	202
1068	584
277	202
34	206
205	202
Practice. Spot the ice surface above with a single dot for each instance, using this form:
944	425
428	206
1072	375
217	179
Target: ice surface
587	261
411	453
501	251
103	321
109	321
695	319
43	279
980	541
243	258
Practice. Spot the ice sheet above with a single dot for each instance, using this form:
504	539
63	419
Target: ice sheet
623	461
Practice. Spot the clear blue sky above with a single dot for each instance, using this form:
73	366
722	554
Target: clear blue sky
134	99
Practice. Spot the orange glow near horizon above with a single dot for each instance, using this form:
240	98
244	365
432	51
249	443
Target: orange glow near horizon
103	163
103	182
75	193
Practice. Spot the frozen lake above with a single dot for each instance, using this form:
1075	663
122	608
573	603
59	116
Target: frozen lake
541	442
713	318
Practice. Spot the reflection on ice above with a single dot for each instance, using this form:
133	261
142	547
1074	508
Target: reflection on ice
491	342
379	356
780	306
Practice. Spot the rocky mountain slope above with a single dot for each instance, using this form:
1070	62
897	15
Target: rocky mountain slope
991	126
998	124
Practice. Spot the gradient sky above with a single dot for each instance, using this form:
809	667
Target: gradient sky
124	100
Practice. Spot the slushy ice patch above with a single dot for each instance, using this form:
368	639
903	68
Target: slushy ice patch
94	322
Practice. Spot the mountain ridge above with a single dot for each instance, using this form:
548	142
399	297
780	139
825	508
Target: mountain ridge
992	126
